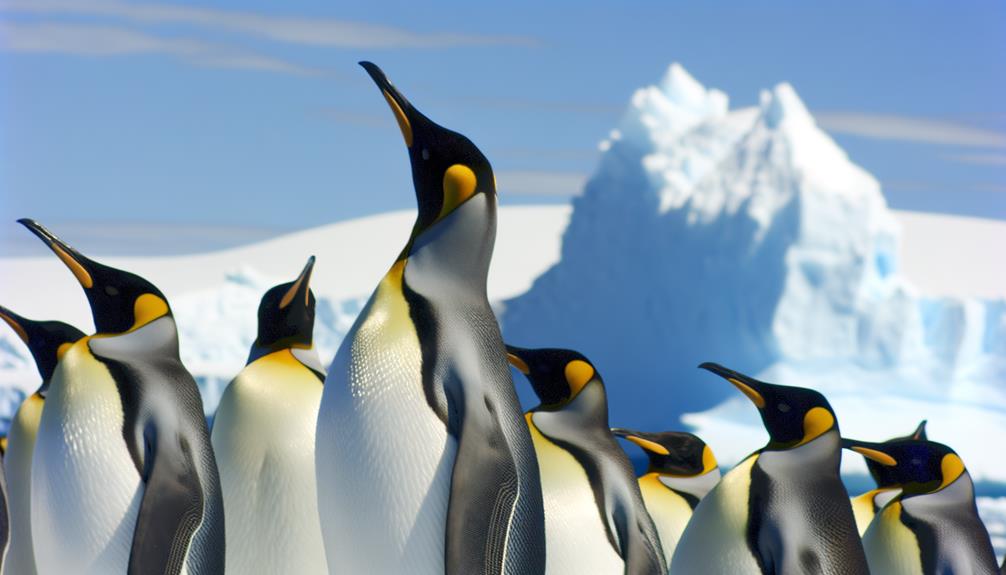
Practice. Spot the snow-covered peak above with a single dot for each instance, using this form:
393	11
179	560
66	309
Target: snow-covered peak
685	92
783	104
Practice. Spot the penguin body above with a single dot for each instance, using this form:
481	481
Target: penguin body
123	476
47	341
4	518
866	506
595	517
682	470
784	509
424	463
932	526
263	438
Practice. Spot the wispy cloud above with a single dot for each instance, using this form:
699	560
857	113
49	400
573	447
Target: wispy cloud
540	183
909	129
294	30
979	159
930	186
99	40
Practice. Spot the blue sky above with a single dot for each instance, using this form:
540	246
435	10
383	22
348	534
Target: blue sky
254	116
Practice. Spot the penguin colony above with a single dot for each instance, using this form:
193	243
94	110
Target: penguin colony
412	455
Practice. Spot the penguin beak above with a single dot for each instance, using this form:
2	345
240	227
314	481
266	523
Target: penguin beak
78	264
748	386
15	322
300	287
871	451
920	431
514	357
404	113
635	437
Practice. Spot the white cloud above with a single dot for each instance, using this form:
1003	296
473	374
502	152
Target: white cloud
310	31
100	40
540	183
909	129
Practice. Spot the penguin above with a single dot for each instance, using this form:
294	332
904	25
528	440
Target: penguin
123	476
932	526
682	470
866	505
783	509
595	518
4	518
424	462
263	437
47	341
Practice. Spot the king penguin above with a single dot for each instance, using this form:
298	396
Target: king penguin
424	462
782	510
263	437
682	470
123	477
867	505
932	527
47	341
5	523
595	518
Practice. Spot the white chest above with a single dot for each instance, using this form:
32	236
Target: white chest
715	540
576	540
264	438
384	460
85	488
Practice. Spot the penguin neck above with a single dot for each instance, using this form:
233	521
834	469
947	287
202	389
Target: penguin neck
259	350
588	411
961	491
695	485
823	453
449	260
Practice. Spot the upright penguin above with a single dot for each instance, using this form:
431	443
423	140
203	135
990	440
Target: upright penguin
47	341
595	518
263	437
424	462
123	476
932	527
682	470
867	505
783	510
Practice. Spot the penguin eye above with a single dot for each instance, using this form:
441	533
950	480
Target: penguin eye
426	153
784	407
111	290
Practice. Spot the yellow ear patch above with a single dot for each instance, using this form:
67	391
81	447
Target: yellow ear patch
147	308
21	333
648	445
874	455
708	460
816	422
578	373
749	391
403	120
519	363
78	270
952	468
459	185
62	349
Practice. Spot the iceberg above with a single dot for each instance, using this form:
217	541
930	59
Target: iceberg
748	237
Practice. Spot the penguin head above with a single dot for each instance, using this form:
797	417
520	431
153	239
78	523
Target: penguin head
120	301
447	168
793	416
917	466
286	313
676	453
46	340
556	375
885	475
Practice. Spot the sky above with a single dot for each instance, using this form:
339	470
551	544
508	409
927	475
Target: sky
226	121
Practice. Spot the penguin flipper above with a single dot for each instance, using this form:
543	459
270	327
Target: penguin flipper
484	492
170	511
